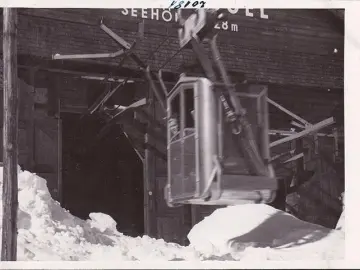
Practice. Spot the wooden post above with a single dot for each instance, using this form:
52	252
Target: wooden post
31	123
150	224
60	155
10	137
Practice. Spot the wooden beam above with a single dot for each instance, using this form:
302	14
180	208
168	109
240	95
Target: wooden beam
91	74
115	37
136	149
53	94
88	56
31	133
296	157
59	157
307	131
279	132
103	97
10	136
150	219
293	115
87	67
296	124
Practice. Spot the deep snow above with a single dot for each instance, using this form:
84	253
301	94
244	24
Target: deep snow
49	232
263	232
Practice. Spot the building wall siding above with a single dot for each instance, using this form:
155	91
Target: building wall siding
291	47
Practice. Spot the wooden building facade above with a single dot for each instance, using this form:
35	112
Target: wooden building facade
297	54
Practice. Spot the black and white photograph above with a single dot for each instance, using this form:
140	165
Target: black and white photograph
180	133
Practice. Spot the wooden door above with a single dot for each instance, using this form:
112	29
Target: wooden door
48	153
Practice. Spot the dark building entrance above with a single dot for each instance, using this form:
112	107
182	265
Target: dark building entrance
101	175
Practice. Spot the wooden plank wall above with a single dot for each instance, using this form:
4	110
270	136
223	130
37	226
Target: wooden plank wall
290	47
26	116
38	136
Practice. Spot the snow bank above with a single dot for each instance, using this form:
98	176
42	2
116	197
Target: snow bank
46	231
263	232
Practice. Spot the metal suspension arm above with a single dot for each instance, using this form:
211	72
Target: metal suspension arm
210	74
229	86
245	141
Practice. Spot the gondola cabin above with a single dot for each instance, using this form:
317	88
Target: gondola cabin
205	165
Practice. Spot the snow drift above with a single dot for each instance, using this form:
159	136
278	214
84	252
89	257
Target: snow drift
46	231
245	231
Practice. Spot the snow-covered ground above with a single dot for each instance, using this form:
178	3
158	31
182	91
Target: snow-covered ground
247	232
261	232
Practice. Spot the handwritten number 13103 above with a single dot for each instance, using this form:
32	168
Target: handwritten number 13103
176	5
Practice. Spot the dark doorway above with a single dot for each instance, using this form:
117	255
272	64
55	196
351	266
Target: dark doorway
101	175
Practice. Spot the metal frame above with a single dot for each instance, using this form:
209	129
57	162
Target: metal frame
178	91
201	191
241	133
214	185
